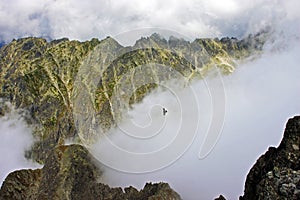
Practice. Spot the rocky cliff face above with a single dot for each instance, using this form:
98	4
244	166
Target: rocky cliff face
70	172
276	174
39	77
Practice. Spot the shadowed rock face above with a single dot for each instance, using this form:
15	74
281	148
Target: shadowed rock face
38	76
221	197
276	174
21	184
70	172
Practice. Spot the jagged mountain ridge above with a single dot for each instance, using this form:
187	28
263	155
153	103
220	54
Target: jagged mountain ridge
276	174
38	76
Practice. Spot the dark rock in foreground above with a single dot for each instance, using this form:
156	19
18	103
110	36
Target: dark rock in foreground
70	172
276	174
221	197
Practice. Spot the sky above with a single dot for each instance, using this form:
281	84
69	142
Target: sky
83	20
260	95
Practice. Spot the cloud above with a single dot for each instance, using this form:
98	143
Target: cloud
83	20
260	96
16	137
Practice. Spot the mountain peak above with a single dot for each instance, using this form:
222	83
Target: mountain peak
157	36
111	41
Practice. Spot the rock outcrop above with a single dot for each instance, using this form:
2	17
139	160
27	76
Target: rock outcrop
276	174
70	172
221	197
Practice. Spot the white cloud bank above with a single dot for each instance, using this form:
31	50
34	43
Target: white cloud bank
260	96
15	138
83	20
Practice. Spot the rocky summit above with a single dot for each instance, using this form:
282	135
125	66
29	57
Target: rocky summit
276	174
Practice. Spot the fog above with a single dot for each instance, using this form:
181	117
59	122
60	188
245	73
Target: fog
16	137
259	97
